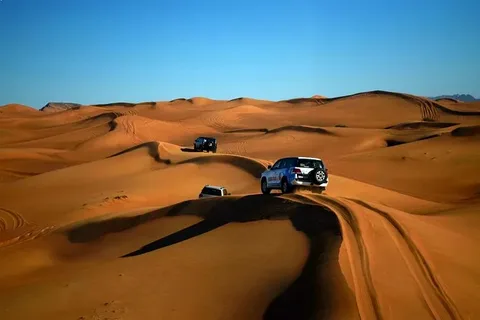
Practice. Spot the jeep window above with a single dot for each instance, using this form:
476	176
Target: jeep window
212	191
309	163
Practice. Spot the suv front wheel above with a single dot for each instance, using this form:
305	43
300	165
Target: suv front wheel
265	189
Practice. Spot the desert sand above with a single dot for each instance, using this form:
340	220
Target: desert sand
100	216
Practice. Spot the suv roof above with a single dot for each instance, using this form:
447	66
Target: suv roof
214	187
208	138
308	158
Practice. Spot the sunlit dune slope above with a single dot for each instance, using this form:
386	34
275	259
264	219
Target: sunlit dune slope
100	216
380	247
252	264
443	168
144	175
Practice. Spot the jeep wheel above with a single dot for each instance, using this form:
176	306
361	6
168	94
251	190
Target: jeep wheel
265	189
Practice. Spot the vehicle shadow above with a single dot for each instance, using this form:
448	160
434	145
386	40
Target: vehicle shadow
188	150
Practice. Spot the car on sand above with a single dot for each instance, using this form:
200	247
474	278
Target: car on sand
209	191
205	144
288	173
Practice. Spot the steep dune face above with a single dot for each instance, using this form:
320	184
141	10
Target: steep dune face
60	106
100	216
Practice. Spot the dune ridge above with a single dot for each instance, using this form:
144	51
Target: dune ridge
104	199
300	128
429	109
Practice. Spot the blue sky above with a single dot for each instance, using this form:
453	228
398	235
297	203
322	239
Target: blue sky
98	51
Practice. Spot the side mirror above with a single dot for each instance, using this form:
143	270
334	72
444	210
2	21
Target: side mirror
269	167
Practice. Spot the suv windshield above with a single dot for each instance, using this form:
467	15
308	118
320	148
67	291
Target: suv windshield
309	163
212	191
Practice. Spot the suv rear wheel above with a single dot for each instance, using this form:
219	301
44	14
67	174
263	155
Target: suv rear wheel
285	187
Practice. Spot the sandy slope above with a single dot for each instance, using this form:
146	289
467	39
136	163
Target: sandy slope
99	216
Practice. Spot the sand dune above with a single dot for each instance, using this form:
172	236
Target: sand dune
14	109
100	216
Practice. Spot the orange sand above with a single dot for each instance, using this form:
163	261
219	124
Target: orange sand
395	236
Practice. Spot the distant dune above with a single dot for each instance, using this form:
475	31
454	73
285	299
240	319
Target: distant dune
100	216
60	106
456	98
16	109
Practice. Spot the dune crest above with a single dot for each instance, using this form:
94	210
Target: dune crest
104	199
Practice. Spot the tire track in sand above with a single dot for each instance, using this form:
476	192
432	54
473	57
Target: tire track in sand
11	221
428	110
27	236
421	262
366	310
15	219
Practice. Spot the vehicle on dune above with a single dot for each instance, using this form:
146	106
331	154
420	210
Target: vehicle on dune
289	173
209	191
205	144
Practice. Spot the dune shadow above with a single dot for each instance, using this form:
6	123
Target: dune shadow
305	100
93	230
178	100
468	131
264	130
421	125
299	128
179	236
151	146
251	166
395	142
308	296
125	104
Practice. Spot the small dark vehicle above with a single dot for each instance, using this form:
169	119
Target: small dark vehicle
205	144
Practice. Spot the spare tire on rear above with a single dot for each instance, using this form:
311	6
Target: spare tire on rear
318	176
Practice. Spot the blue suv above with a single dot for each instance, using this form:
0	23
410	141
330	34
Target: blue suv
288	173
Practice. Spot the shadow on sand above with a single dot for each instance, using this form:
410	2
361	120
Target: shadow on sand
307	297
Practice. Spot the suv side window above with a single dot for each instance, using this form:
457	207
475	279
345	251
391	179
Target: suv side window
277	164
289	163
282	163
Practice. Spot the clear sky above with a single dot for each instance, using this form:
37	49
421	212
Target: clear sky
99	51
